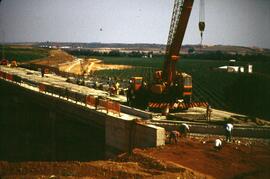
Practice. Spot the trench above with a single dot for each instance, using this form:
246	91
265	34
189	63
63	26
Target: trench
36	128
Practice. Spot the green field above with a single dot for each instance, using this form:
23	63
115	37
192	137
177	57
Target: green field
242	93
23	53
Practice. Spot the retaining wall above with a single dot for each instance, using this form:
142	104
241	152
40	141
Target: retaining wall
35	126
238	131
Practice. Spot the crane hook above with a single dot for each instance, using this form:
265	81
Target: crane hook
202	18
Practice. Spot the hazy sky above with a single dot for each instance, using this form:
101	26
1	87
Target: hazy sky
228	22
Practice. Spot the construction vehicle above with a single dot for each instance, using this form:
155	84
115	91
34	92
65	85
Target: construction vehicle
170	89
13	63
4	62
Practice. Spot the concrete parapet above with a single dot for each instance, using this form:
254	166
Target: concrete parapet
135	112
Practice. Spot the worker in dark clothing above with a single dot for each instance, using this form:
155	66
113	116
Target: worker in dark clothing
42	72
184	129
66	93
97	102
208	112
174	137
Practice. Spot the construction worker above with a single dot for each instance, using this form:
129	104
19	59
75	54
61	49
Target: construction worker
97	102
174	137
217	144
13	63
117	85
208	112
95	86
228	132
66	93
184	129
42	71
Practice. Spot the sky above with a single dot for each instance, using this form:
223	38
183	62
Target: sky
228	22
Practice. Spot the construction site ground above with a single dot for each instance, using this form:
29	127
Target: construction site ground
192	157
243	158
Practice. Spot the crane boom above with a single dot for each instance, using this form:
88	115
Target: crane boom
180	17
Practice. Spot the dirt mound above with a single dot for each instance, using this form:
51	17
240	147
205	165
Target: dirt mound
67	63
97	169
159	167
88	66
137	165
55	58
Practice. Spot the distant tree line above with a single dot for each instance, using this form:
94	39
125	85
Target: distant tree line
112	53
213	55
219	55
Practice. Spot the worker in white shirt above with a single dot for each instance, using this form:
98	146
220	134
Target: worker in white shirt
228	132
184	129
218	144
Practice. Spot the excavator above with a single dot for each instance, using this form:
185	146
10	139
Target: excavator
170	89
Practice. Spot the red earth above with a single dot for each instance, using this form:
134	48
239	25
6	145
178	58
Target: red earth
242	158
192	157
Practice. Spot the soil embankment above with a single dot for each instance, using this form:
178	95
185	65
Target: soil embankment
68	63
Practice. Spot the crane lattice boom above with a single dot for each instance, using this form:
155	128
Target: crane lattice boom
180	17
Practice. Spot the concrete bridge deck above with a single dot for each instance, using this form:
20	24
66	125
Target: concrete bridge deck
58	81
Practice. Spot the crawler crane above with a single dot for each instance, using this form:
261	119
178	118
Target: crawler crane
170	89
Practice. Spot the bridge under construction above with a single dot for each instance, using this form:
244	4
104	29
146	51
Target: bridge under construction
123	127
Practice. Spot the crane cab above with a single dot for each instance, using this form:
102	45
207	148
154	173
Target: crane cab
187	87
